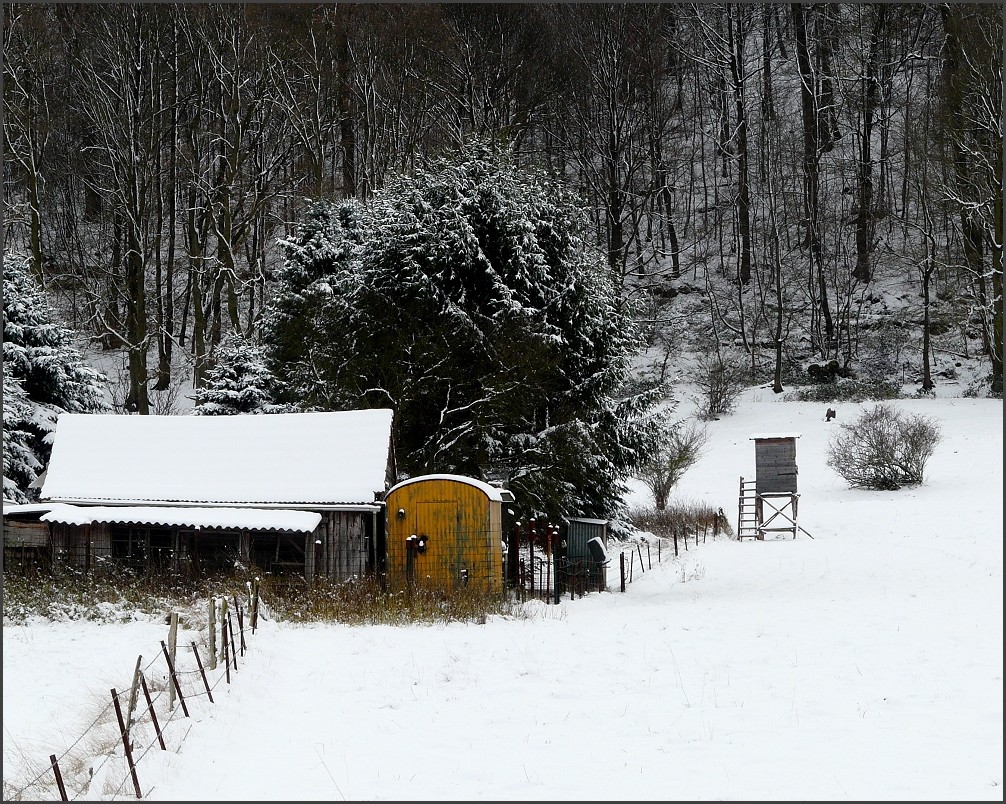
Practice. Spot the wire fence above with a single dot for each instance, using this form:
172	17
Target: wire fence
150	714
544	573
154	711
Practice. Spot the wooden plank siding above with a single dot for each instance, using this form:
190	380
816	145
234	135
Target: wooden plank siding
775	466
342	547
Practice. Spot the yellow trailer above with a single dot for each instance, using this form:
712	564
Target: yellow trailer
446	532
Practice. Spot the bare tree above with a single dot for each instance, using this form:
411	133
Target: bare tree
677	453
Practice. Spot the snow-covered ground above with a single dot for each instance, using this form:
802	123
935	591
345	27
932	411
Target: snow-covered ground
864	663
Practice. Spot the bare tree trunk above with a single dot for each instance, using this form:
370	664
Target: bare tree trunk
864	213
735	36
811	155
347	124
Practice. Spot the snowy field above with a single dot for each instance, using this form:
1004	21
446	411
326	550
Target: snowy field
864	663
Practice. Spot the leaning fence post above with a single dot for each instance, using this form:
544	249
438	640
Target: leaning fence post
621	568
125	744
133	692
59	778
174	679
153	714
223	627
241	629
202	672
225	657
234	650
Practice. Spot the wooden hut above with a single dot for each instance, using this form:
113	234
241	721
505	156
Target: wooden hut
298	494
445	531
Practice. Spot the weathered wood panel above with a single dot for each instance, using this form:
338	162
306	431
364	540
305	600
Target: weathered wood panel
461	531
775	465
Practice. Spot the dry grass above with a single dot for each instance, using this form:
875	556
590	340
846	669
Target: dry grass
680	518
71	595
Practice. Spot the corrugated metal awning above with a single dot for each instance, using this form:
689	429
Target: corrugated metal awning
185	517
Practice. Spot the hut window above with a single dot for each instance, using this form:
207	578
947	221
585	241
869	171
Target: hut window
142	548
278	553
213	550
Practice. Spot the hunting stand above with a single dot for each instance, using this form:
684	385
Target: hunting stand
769	503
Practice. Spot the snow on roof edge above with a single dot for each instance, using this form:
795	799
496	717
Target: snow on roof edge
192	517
491	491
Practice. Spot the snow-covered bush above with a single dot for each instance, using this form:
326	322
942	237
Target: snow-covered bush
675	455
720	379
884	448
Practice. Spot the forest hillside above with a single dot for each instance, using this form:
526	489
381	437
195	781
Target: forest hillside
802	196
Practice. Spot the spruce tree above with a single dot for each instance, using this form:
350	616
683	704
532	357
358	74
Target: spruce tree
238	382
45	374
467	298
20	466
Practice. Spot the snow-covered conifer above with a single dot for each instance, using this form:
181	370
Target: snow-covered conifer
20	466
238	382
44	371
468	298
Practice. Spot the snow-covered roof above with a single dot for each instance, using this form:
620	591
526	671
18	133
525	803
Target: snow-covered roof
588	520
492	492
14	509
185	517
318	458
759	436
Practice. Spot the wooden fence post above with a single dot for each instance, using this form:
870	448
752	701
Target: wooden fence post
241	624
133	693
675	533
172	643
174	678
153	714
123	731
255	600
212	630
234	650
621	568
59	778
199	663
224	656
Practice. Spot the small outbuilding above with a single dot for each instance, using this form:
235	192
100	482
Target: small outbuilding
288	493
586	561
446	531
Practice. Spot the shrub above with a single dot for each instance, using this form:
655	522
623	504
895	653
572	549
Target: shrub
883	449
681	517
849	390
676	453
720	379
